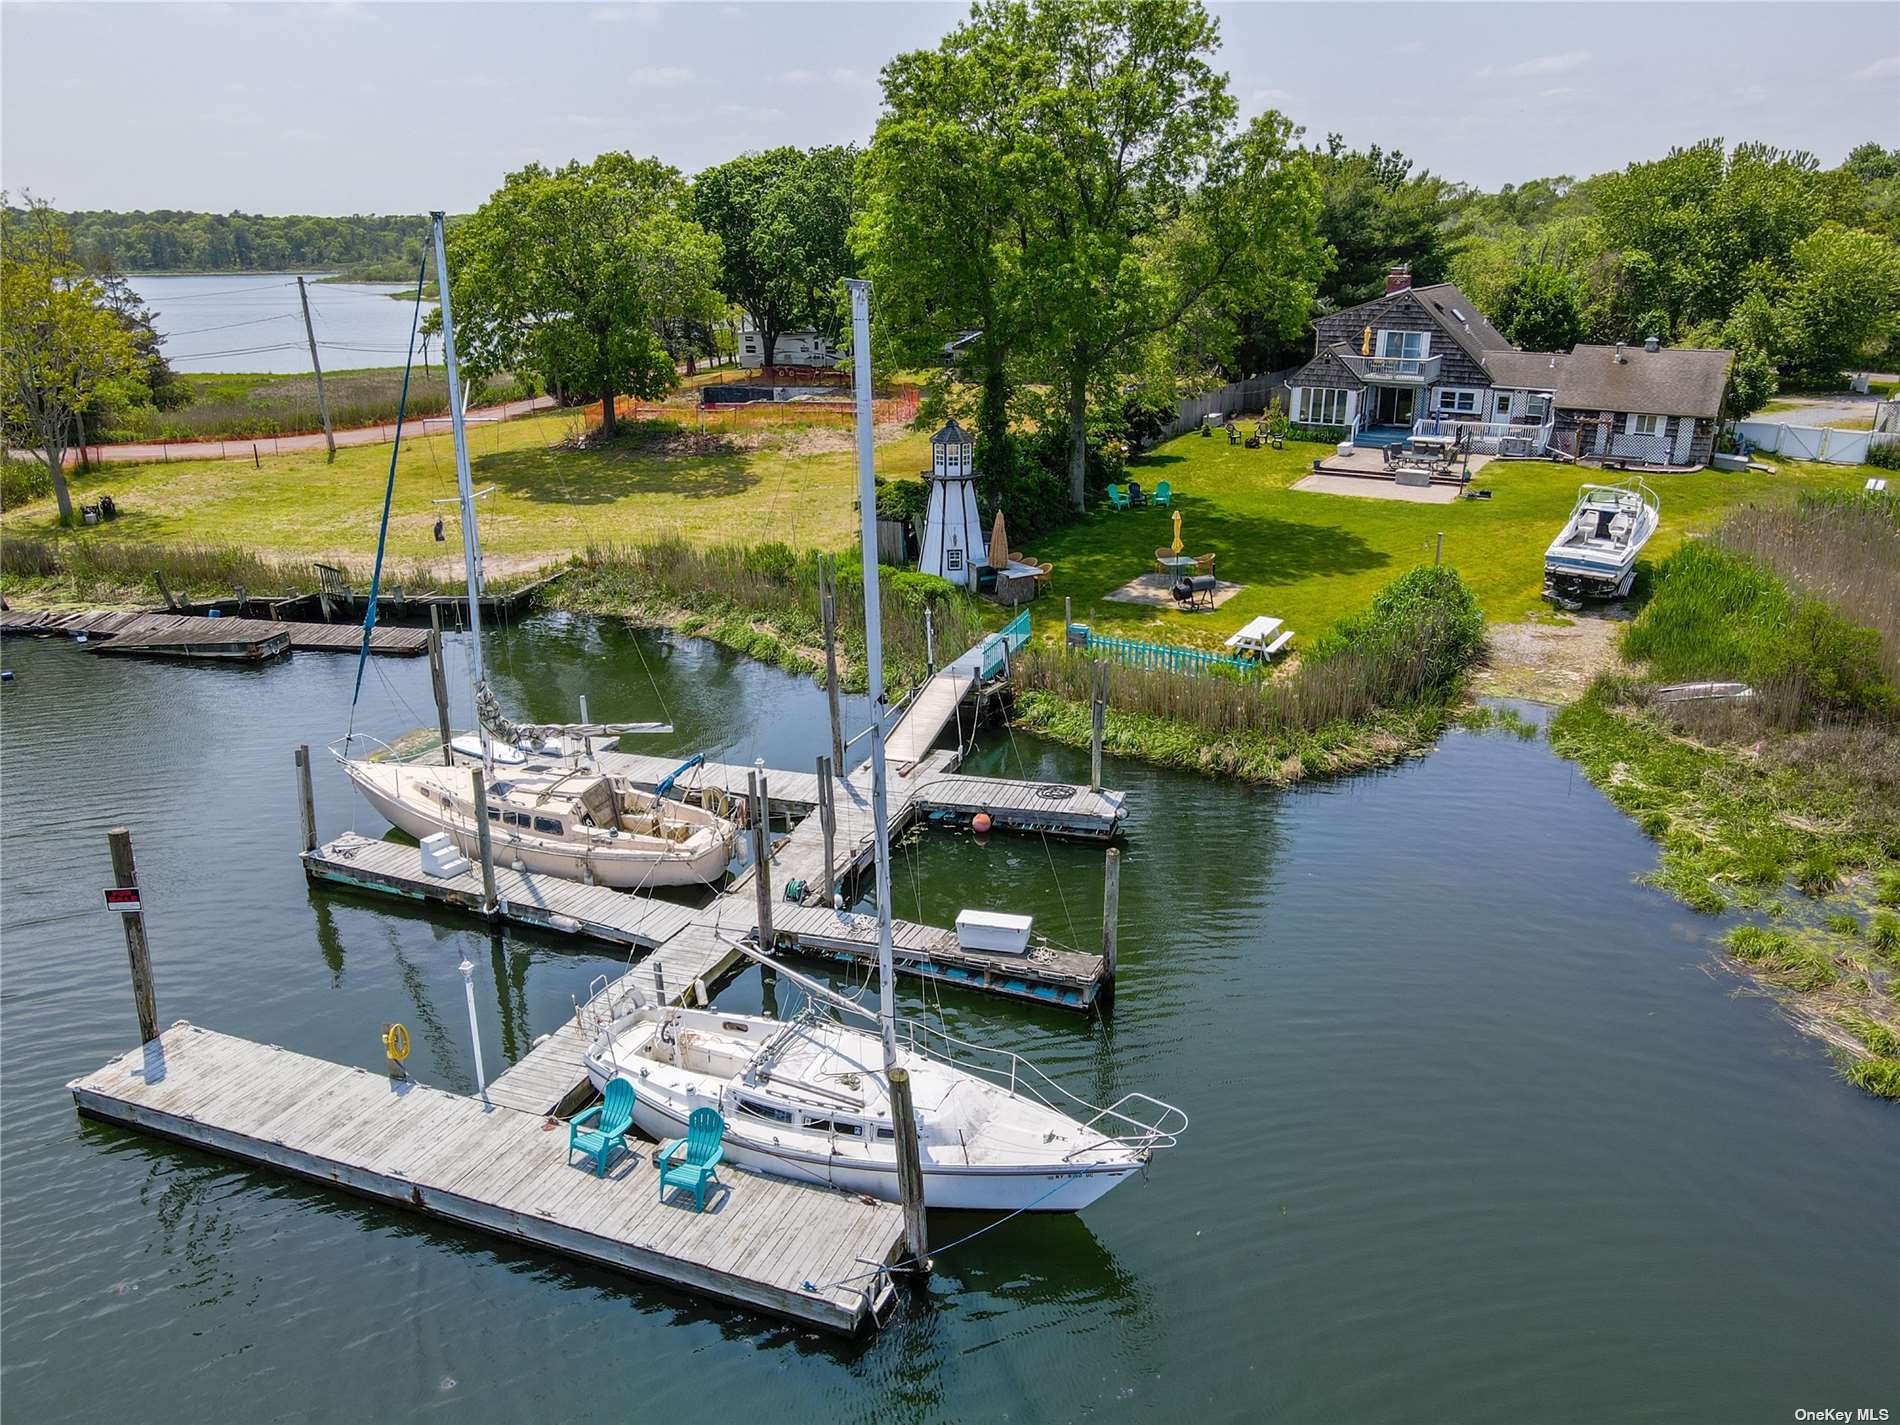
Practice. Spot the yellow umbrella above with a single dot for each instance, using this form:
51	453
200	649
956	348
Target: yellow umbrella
1177	531
999	544
1365	343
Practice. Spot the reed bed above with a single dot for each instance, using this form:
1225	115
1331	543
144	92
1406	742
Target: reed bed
1367	692
763	600
237	407
92	569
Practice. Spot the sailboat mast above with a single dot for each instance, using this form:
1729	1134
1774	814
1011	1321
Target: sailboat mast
874	660
465	486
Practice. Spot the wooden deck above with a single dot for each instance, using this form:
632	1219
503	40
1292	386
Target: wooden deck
569	907
188	635
791	1249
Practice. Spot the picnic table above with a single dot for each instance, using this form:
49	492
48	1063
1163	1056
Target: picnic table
1256	636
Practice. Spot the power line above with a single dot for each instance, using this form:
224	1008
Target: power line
255	321
227	295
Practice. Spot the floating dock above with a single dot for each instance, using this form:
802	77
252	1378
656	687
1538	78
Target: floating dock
190	636
924	786
797	1250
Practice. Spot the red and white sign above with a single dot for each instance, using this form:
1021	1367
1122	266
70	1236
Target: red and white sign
124	899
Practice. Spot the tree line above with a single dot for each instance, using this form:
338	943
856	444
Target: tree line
1068	225
170	241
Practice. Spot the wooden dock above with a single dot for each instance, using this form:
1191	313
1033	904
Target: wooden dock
797	1250
192	636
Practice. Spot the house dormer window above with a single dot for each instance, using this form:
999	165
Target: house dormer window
1404	346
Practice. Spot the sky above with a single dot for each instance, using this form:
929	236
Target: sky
336	108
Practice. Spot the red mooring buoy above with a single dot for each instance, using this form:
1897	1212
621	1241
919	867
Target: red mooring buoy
980	823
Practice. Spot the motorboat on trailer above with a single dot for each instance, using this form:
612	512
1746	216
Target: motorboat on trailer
569	821
1594	557
807	1098
572	820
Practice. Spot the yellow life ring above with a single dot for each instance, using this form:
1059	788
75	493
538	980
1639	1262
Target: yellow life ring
396	1043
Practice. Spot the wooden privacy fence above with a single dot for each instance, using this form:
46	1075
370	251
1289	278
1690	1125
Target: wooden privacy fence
1166	657
1253	394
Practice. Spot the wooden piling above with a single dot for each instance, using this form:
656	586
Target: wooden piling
930	645
910	1170
1111	915
439	685
828	612
164	592
1098	719
761	856
125	876
828	825
306	800
484	842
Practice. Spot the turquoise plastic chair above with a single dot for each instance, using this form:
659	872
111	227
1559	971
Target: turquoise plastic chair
1117	498
610	1119
1164	494
701	1145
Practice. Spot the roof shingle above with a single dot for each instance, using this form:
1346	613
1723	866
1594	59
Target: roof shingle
1675	381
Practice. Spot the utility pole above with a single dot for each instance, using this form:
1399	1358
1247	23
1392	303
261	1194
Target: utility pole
323	405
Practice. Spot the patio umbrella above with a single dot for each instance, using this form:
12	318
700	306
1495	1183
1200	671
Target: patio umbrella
999	544
1177	532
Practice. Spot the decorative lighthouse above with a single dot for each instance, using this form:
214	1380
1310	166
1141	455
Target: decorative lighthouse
953	534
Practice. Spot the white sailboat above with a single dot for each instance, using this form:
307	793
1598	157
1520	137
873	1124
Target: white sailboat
548	811
811	1098
1594	555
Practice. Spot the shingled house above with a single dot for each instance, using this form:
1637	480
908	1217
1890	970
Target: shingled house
1425	357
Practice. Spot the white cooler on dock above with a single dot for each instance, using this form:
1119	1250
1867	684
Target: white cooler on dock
993	932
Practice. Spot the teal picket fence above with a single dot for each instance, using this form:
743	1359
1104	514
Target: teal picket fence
1167	657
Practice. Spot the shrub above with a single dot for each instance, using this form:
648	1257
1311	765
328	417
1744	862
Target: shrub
1886	456
23	481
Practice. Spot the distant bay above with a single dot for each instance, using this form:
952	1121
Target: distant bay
252	321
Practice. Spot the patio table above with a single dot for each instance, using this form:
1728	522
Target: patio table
1177	564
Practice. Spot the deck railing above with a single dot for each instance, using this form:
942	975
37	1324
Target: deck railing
1166	657
998	647
1489	437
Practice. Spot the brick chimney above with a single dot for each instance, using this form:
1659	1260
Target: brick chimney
1398	279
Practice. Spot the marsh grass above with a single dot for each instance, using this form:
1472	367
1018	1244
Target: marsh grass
238	405
762	599
1376	687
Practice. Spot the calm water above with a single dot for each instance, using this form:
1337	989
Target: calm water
1478	1133
252	322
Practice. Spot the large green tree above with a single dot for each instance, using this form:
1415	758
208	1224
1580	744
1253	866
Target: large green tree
1374	214
1840	306
578	272
1121	200
783	219
1539	308
63	350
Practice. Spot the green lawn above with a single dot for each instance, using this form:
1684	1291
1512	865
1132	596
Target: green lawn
548	503
1309	558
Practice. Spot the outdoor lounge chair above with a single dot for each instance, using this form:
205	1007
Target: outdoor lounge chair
1117	498
610	1119
1162	555
1135	495
1205	564
1164	494
689	1162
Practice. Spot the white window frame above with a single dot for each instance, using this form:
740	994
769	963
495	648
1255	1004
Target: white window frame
1324	401
1638	426
1457	401
1392	344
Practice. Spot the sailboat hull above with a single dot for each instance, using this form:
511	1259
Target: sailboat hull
978	1189
628	867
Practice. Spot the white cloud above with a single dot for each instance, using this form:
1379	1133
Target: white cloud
1537	68
1270	96
800	76
661	76
1888	68
1557	92
747	111
852	79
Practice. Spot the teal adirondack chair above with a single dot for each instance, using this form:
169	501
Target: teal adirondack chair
1164	494
1117	498
703	1153
610	1119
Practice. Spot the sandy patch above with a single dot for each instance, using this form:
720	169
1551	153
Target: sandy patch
1550	662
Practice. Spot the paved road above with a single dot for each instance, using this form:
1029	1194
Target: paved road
1825	410
241	449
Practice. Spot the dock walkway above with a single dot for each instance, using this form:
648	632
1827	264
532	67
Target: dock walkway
797	1250
188	635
